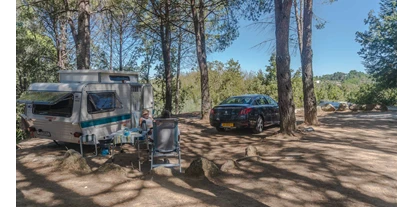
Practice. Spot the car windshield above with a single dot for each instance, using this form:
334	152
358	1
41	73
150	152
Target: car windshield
237	100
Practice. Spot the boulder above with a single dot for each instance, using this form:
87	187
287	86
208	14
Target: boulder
384	108
367	107
299	111
230	164
162	171
319	109
354	107
342	106
202	167
251	151
328	107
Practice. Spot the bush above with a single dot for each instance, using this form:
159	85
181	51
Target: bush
375	94
20	134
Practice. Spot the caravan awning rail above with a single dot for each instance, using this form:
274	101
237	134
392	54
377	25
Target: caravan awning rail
43	97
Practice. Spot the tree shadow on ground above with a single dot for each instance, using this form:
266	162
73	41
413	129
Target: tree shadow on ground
325	179
361	119
62	195
221	195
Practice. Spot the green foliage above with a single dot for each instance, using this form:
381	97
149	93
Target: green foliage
270	81
20	134
340	86
379	44
297	88
35	59
227	79
375	94
253	10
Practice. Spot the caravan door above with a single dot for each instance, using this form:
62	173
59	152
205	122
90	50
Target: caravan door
148	98
141	98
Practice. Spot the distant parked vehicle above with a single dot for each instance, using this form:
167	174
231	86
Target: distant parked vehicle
333	103
253	111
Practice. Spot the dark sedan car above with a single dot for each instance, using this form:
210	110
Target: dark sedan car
253	111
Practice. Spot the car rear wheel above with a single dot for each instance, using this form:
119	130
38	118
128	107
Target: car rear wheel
259	125
220	129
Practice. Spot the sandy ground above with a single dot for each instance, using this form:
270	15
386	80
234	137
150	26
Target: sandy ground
349	160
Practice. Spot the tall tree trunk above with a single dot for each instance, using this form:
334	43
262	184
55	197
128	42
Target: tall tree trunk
286	104
63	57
166	53
56	31
299	22
307	72
149	63
177	83
120	47
198	20
110	42
83	45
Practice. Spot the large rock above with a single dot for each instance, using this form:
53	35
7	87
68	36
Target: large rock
251	151
230	164
163	171
299	111
319	109
354	107
342	106
367	107
202	167
381	107
73	161
328	107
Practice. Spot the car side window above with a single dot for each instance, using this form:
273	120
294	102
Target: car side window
261	101
271	101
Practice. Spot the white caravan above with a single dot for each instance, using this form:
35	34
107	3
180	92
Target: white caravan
85	102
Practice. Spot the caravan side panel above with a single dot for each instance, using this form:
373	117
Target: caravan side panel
78	78
108	121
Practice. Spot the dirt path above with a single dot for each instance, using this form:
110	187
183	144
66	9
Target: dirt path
349	160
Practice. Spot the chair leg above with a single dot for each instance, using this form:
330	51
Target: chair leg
139	156
81	147
179	159
152	160
96	145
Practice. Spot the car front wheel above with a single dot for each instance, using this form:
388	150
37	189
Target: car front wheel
259	125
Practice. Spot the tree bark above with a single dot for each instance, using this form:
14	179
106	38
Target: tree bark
110	44
166	53
198	21
83	44
63	57
120	47
286	104
149	63
177	83
56	32
299	22
309	99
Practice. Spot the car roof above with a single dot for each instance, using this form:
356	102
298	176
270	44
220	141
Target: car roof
249	95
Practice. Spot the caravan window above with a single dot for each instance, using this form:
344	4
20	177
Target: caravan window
62	108
118	78
103	102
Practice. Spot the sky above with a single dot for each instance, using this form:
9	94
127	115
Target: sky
334	47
